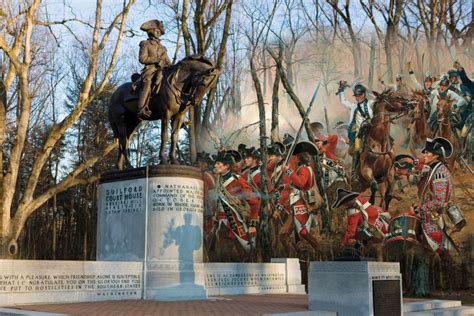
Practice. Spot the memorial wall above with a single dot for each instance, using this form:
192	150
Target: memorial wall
33	281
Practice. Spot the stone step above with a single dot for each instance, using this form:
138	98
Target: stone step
429	305
451	311
20	312
305	313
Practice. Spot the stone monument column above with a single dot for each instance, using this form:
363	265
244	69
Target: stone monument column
155	215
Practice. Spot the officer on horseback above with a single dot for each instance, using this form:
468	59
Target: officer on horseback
154	56
361	114
443	91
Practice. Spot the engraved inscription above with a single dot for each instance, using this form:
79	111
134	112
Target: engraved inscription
126	199
244	279
31	283
183	197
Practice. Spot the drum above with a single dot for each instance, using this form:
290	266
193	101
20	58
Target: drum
403	228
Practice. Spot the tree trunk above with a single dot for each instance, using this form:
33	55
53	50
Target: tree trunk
192	135
372	62
263	229
356	54
289	71
275	128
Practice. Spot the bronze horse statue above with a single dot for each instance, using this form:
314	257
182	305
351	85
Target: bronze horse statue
377	157
183	85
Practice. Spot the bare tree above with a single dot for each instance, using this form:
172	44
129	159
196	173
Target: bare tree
260	19
391	14
18	44
344	13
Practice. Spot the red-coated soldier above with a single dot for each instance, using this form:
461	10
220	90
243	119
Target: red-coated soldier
237	203
365	222
301	179
252	164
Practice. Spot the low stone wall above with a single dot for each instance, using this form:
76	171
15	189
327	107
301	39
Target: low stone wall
33	281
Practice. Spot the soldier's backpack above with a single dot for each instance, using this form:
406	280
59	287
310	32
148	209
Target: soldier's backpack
312	197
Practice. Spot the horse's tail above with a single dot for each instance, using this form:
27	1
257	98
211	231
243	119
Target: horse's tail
113	101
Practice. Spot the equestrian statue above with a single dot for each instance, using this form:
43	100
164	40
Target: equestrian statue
162	92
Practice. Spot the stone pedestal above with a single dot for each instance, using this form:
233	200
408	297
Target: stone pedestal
293	275
155	215
355	288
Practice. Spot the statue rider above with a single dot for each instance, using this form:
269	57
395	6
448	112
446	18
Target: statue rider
154	56
361	114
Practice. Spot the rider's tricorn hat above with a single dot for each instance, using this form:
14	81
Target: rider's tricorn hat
343	196
151	25
305	147
277	148
452	73
228	157
439	146
444	81
359	89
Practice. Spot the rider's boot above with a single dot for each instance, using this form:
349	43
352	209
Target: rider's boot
355	167
143	111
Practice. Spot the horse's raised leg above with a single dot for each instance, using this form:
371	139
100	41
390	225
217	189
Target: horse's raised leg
176	126
382	188
164	140
388	193
368	175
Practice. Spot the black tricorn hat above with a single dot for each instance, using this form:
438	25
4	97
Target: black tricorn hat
277	148
288	139
341	125
439	146
204	157
252	152
404	161
444	81
228	157
317	125
241	148
453	73
153	24
305	147
343	196
359	89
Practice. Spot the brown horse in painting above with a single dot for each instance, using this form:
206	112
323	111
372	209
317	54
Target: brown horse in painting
376	160
418	129
445	111
183	85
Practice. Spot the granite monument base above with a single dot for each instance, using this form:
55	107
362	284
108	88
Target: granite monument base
355	288
155	215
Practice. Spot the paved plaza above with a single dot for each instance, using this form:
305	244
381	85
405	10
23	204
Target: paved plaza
223	305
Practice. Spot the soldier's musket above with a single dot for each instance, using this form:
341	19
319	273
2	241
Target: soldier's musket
277	180
466	164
